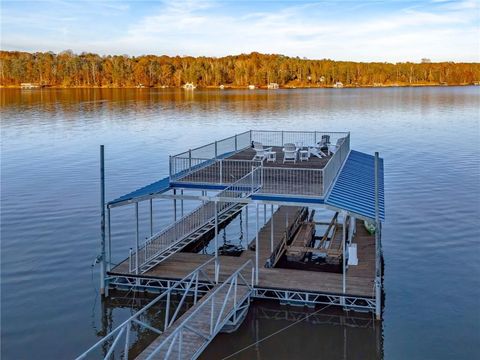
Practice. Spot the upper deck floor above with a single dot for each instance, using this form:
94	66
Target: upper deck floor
232	160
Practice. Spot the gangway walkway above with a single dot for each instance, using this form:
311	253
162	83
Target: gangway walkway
225	304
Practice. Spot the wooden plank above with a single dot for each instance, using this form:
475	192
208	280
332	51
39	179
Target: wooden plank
360	278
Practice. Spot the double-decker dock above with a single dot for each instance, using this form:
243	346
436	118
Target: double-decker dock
281	178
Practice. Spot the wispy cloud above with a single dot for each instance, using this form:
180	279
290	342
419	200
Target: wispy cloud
367	31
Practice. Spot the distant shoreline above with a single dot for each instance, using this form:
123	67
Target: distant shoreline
236	87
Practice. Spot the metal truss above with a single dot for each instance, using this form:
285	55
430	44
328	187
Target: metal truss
310	298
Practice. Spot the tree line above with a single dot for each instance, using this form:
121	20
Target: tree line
67	69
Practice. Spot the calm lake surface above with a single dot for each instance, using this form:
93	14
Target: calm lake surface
429	138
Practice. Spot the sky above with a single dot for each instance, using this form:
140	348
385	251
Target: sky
392	31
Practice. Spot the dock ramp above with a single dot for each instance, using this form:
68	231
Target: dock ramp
183	336
224	305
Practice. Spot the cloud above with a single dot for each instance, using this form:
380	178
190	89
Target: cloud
369	31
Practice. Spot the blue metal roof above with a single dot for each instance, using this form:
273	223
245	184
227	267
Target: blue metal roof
354	187
157	187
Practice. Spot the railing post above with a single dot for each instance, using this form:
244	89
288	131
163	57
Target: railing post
236	143
216	149
130	265
167	310
189	160
282	137
252	178
170	166
251	137
221	170
127	340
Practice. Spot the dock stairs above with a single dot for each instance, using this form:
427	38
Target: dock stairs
191	237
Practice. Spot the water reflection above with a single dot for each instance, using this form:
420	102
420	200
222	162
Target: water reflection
270	330
285	332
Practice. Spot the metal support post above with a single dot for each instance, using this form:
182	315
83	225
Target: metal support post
109	264
264	214
102	220
344	265
246	224
181	203
216	244
271	230
137	238
151	217
174	206
256	250
378	275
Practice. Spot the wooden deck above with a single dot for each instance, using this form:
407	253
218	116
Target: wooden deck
299	178
360	278
312	163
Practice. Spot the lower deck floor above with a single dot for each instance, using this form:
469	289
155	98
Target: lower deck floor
359	278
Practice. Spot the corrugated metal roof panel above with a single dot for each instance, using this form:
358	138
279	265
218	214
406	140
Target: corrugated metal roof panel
157	187
354	188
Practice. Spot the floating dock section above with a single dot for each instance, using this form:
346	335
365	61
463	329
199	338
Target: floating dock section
237	175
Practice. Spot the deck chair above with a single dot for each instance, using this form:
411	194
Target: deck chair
289	153
260	151
333	148
316	151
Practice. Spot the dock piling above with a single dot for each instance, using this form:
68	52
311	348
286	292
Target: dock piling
102	220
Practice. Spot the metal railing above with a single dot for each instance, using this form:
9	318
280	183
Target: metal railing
214	309
275	180
333	166
111	341
292	181
222	171
195	220
300	138
184	161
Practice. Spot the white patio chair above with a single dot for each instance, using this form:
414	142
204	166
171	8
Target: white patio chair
289	153
333	148
260	151
315	151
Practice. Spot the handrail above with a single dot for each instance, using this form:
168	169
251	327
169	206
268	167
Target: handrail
215	323
134	318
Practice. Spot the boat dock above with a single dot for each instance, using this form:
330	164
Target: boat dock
283	177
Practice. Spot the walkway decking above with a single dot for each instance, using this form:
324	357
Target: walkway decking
360	278
198	325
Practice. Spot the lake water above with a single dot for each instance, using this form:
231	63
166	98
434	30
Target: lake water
429	138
